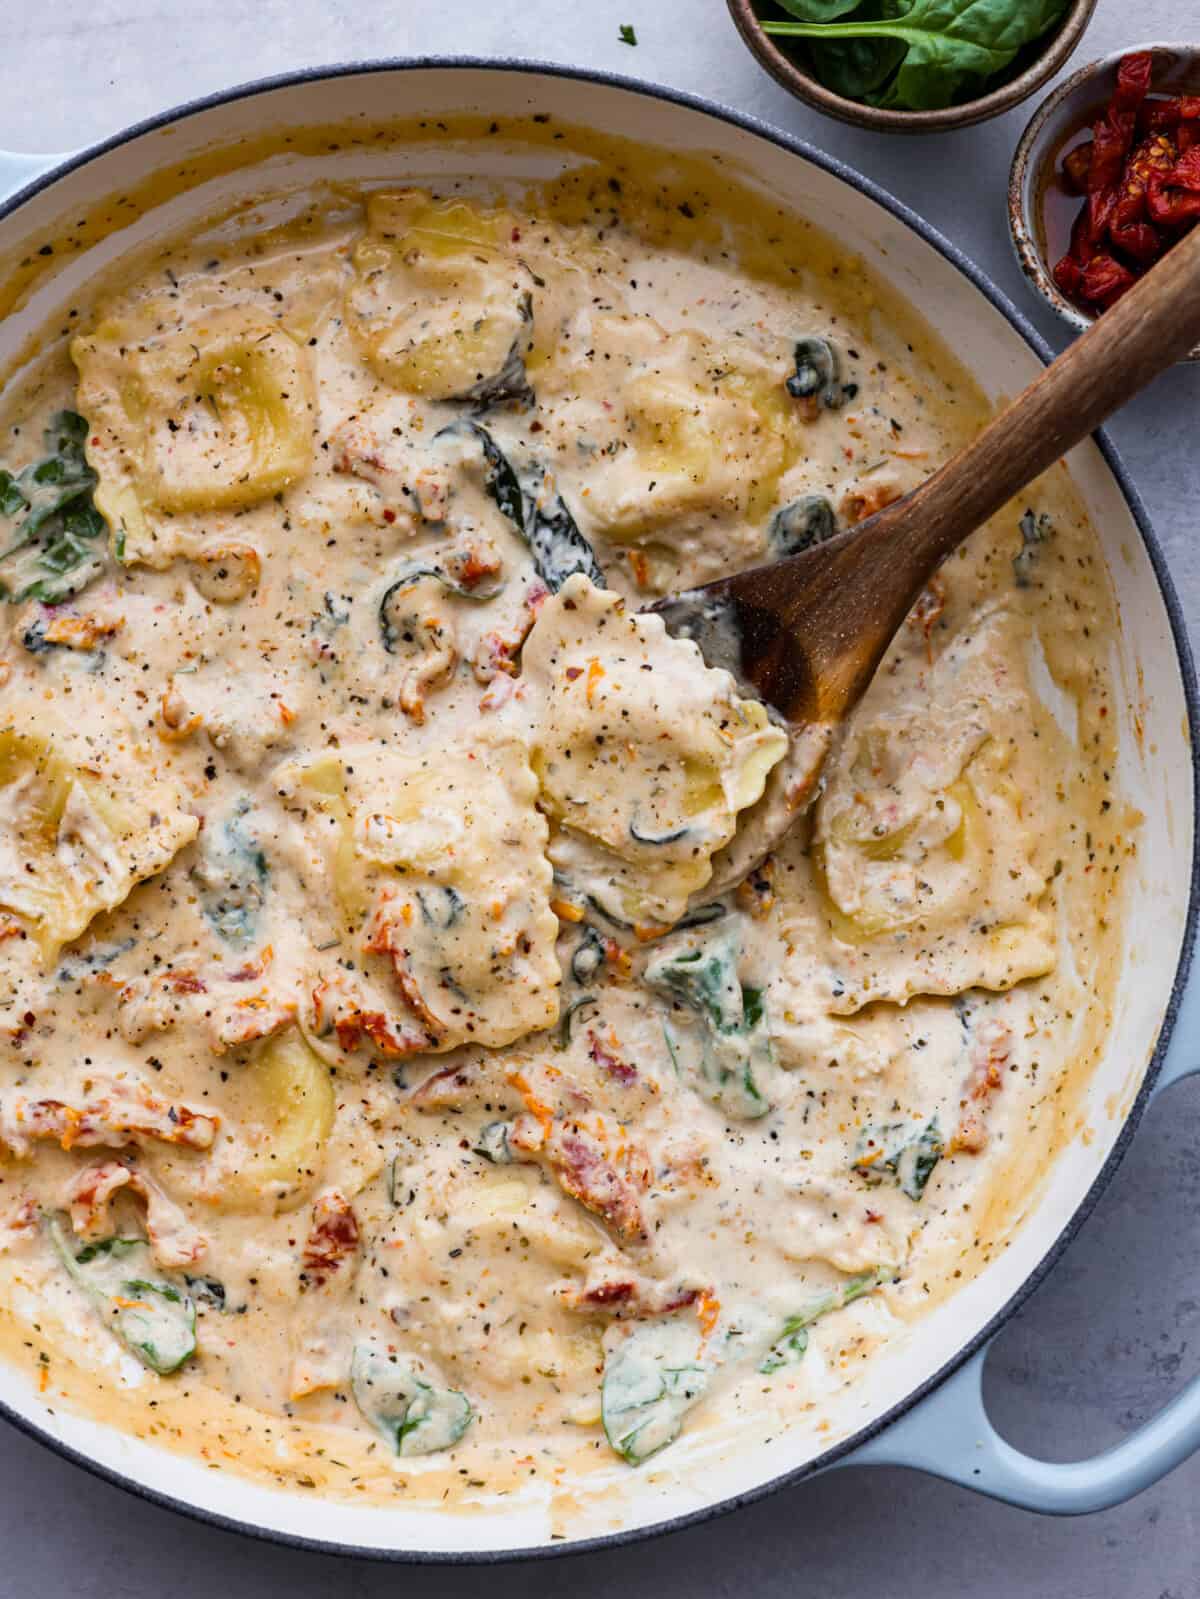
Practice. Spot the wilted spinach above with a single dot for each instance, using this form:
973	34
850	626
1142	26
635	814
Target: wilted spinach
57	546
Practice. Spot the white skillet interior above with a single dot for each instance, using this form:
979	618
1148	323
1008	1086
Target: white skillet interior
1156	752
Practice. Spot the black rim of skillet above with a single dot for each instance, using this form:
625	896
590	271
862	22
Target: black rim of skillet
979	280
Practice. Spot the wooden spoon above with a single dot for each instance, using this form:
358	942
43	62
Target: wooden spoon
806	633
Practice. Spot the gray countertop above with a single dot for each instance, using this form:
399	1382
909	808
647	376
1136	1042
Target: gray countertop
1114	1331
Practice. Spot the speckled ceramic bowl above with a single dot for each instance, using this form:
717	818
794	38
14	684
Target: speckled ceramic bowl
1061	116
1041	61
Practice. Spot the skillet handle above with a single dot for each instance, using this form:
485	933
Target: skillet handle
950	1435
18	170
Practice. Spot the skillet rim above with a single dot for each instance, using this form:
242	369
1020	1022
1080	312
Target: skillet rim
718	111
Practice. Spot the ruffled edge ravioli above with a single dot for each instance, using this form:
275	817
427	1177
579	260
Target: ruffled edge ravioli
438	865
76	842
929	869
645	756
213	414
439	301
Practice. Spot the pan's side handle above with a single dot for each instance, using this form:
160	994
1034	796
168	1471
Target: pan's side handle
949	1434
18	170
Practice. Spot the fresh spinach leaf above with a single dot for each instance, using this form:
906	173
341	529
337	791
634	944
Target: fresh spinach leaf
566	1020
817	10
499	480
948	49
626	33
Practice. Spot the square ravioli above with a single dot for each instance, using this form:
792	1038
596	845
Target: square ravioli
76	841
211	414
645	756
438	864
925	850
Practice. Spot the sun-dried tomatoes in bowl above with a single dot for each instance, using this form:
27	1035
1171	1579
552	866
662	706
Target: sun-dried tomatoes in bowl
1106	177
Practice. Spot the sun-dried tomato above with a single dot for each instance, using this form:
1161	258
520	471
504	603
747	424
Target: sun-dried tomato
1164	116
1112	137
1076	166
1105	280
1129	230
1173	195
1140	196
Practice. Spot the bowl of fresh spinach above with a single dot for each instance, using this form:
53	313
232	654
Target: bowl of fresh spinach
912	66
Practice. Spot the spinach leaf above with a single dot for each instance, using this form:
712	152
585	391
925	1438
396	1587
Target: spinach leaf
232	875
650	1382
902	1151
566	1020
792	1341
415	1416
493	1144
734	1041
589	954
74	968
408	576
441	906
558	548
152	1316
817	10
499	480
535	509
56	548
948	48
801	524
1035	530
208	1291
818	373
510	382
626	33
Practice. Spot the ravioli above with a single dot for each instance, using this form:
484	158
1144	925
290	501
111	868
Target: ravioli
644	755
440	301
686	433
439	868
926	852
74	841
212	413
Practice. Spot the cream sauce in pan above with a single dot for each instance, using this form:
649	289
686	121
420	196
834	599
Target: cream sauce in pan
384	1082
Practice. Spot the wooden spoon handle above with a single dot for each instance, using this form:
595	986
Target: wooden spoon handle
1148	330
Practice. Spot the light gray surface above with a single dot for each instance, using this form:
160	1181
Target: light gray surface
1111	1335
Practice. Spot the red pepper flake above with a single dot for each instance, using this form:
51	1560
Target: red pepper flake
1140	175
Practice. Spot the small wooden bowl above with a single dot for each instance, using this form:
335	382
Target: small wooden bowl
1062	115
1054	51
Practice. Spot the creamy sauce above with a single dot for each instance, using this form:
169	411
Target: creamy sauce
369	968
